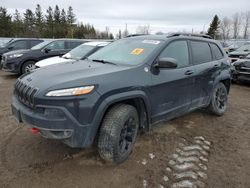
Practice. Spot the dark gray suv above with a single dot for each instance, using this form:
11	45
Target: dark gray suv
127	86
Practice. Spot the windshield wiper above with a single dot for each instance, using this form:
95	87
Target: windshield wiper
103	61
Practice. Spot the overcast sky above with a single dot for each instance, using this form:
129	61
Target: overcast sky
161	15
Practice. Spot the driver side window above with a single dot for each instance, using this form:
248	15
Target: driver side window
177	50
57	45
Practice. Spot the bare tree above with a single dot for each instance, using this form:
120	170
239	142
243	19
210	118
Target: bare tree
225	27
145	29
246	24
236	25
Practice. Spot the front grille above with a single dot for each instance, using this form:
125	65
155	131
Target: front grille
25	93
234	56
242	69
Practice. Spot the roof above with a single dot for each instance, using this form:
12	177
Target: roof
97	43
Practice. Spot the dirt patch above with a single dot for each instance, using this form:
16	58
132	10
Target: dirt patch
28	160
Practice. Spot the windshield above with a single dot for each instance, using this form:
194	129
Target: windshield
40	46
5	43
129	51
244	48
79	52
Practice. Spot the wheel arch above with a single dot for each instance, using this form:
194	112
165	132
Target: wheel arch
21	66
138	99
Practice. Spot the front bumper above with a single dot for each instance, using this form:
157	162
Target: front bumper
10	65
53	122
240	75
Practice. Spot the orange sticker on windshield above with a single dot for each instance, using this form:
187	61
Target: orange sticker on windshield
137	51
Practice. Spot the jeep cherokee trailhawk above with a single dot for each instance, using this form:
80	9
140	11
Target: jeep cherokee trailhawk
125	87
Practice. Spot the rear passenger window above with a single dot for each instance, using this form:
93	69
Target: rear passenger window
201	52
34	42
177	50
216	51
73	44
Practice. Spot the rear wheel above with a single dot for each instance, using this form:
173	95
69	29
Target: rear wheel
118	133
218	104
28	66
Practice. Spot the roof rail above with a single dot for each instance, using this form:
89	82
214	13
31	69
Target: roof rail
189	34
135	35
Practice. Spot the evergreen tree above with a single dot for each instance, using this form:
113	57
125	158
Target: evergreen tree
70	21
57	22
29	23
49	23
17	24
214	26
39	20
5	23
63	21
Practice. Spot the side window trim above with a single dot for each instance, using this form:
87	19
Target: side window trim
175	40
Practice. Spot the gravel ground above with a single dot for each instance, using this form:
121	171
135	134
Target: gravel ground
222	146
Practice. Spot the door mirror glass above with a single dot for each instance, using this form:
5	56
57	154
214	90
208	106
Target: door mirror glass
166	62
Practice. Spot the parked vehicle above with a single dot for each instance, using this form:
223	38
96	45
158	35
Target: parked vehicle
17	44
23	61
241	70
125	87
225	46
79	53
240	53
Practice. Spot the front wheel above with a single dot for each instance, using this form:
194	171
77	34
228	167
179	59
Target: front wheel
28	67
118	133
218	103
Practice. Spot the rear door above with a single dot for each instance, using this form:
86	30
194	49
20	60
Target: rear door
205	66
171	89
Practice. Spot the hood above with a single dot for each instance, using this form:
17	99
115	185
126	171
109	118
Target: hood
239	53
17	51
53	61
71	74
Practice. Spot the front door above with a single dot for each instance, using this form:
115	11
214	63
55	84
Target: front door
171	88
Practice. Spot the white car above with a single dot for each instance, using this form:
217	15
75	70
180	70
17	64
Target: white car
78	53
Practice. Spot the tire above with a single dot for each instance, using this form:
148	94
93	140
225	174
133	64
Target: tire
28	66
218	103
118	133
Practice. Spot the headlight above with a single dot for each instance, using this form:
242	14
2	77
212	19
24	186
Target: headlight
15	56
70	91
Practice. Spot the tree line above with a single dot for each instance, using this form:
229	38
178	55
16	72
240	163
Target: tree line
235	27
54	23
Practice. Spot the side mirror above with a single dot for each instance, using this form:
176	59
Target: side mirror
10	47
168	62
47	50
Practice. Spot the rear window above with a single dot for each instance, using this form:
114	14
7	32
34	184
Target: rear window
216	51
201	52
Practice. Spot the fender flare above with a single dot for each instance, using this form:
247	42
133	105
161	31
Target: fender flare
112	99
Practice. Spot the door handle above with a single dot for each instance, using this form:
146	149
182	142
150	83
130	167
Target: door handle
189	72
